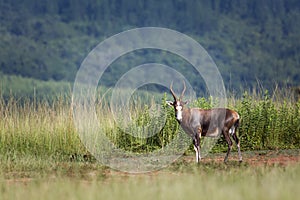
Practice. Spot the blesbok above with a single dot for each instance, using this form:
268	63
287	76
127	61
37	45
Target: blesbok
198	122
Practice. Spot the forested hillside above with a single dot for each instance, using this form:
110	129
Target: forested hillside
249	40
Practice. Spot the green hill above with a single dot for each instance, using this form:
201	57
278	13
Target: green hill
249	40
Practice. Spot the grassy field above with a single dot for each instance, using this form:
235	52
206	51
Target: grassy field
32	178
42	156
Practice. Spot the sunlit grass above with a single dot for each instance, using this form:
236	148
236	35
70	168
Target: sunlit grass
231	183
46	129
42	156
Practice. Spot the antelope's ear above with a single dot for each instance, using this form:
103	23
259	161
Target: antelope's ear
170	103
186	102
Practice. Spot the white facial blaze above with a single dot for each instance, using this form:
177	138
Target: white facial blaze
178	111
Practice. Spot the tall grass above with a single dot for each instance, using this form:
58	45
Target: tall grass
37	128
40	128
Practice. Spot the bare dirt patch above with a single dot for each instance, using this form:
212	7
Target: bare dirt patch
256	158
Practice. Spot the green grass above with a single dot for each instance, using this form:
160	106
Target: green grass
46	129
207	181
42	156
12	86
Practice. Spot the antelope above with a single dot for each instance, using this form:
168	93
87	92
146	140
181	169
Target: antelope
197	122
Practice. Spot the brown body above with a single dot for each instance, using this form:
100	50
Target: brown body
198	122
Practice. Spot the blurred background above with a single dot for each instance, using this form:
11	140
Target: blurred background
255	44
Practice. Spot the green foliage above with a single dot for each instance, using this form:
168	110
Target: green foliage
161	122
43	128
267	124
249	40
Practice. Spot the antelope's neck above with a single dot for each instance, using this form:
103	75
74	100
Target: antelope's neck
183	115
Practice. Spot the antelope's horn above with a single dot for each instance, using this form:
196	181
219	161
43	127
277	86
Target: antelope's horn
172	92
182	93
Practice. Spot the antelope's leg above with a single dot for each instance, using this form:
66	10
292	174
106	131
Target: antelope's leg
237	141
196	141
197	153
197	148
229	142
